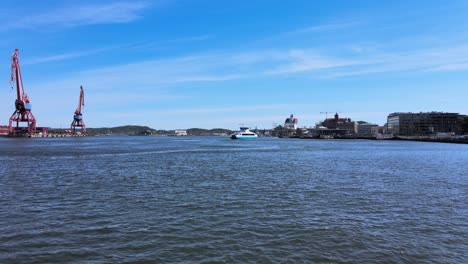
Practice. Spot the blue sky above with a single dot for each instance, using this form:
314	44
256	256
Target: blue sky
179	64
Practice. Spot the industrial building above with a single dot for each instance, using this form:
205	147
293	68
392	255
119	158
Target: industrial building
424	123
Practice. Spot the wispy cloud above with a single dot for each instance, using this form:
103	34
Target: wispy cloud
204	68
451	67
64	56
451	58
146	46
163	44
330	27
301	61
219	67
236	109
81	15
191	38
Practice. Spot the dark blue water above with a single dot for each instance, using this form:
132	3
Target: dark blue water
214	200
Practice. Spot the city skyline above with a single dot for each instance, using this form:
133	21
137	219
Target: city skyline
174	64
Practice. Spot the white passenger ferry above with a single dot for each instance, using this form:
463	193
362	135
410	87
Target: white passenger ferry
244	133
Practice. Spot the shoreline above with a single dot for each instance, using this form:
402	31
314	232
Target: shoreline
433	140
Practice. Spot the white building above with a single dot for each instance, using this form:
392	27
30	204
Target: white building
291	122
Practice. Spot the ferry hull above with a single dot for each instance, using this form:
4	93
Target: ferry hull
243	137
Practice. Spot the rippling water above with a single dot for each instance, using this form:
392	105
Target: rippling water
212	199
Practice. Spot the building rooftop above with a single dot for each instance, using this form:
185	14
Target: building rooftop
416	113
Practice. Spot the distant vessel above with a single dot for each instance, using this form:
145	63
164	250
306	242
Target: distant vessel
244	133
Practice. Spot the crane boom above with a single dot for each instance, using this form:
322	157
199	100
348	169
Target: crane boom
22	100
80	102
16	75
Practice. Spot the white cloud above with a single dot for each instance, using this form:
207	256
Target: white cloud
63	56
307	61
219	67
146	46
451	67
451	58
155	77
166	43
81	15
322	28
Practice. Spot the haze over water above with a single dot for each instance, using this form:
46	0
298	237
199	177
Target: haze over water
212	199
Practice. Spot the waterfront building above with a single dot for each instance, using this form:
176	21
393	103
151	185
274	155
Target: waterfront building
338	123
368	129
424	123
291	122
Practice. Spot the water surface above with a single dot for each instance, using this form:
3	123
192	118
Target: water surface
212	199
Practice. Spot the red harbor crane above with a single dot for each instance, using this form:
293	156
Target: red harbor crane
78	117
22	104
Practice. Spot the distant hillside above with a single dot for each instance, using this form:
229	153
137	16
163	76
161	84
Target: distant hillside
121	130
145	131
208	132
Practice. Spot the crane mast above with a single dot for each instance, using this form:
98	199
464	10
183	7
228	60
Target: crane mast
78	117
22	113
